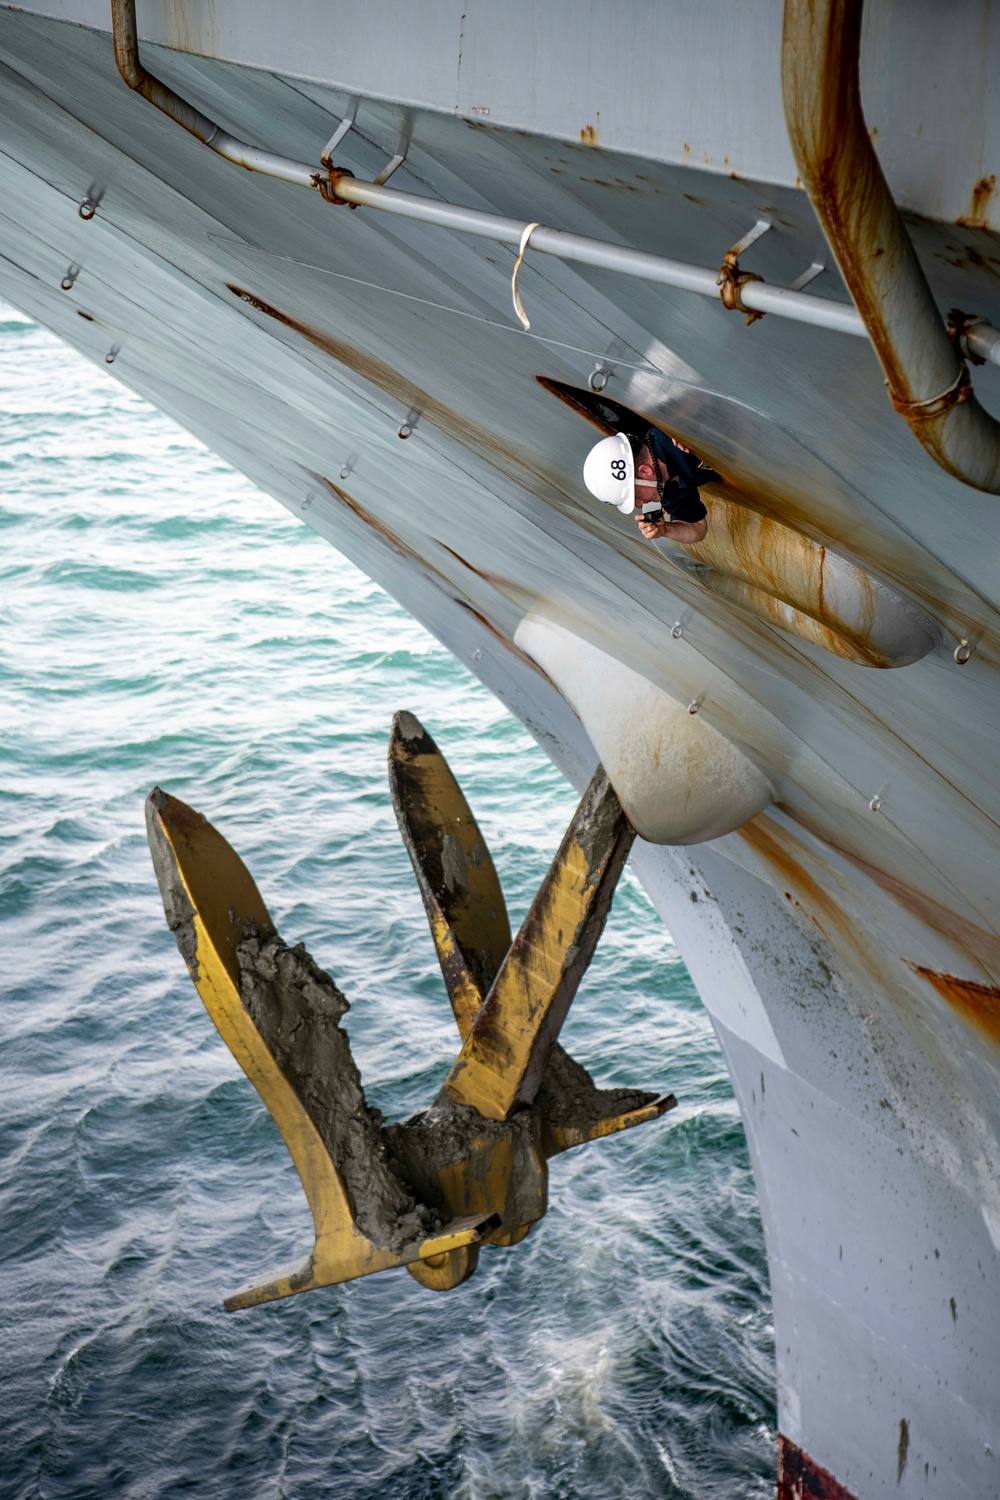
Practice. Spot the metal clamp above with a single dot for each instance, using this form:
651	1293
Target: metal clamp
328	186
112	354
599	377
406	427
731	279
959	324
72	272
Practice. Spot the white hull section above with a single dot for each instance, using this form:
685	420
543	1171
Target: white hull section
849	957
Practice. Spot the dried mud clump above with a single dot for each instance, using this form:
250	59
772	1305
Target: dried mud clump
297	1009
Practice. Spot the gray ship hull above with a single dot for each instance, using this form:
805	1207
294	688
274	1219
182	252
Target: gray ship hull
845	941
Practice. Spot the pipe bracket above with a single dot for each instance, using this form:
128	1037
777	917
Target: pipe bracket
328	186
959	325
730	280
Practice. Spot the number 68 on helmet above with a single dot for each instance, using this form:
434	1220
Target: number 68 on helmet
609	472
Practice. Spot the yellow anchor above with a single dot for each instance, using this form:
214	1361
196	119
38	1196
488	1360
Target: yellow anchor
471	1169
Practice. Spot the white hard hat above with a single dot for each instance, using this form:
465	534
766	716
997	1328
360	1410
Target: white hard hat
609	472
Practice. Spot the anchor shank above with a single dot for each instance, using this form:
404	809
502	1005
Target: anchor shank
503	1058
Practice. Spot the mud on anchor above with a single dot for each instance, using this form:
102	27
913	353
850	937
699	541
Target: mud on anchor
472	1168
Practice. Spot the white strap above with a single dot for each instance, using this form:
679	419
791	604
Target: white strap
529	230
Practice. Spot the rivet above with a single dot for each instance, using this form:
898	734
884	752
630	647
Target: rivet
962	652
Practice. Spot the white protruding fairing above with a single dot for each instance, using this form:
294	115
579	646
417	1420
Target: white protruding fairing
679	780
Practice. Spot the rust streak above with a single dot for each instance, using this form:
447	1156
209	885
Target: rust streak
402	549
982	945
477	439
978	1003
771	845
978	216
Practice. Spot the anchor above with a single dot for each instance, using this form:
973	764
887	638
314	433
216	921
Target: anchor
429	1192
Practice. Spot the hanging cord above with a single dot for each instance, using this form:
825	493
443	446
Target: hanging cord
529	230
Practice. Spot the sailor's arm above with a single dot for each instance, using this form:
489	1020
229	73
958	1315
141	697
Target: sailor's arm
675	531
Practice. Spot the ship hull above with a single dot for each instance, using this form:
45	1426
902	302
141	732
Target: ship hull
844	942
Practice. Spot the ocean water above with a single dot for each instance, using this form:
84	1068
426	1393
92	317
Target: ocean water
162	621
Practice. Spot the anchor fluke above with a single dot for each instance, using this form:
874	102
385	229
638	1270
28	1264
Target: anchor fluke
469	924
279	1014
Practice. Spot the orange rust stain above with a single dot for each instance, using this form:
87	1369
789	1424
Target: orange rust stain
363	515
507	644
495	580
784	616
785	858
478	439
978	1003
977	942
428	568
783	574
772	846
588	135
979	209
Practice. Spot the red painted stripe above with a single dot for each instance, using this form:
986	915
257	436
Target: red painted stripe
800	1478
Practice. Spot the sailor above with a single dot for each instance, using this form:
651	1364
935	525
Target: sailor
653	473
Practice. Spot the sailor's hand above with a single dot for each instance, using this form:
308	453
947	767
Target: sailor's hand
679	445
678	531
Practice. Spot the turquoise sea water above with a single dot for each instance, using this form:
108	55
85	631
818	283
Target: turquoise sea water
162	621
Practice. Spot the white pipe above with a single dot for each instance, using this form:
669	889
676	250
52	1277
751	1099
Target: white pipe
756	296
981	341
